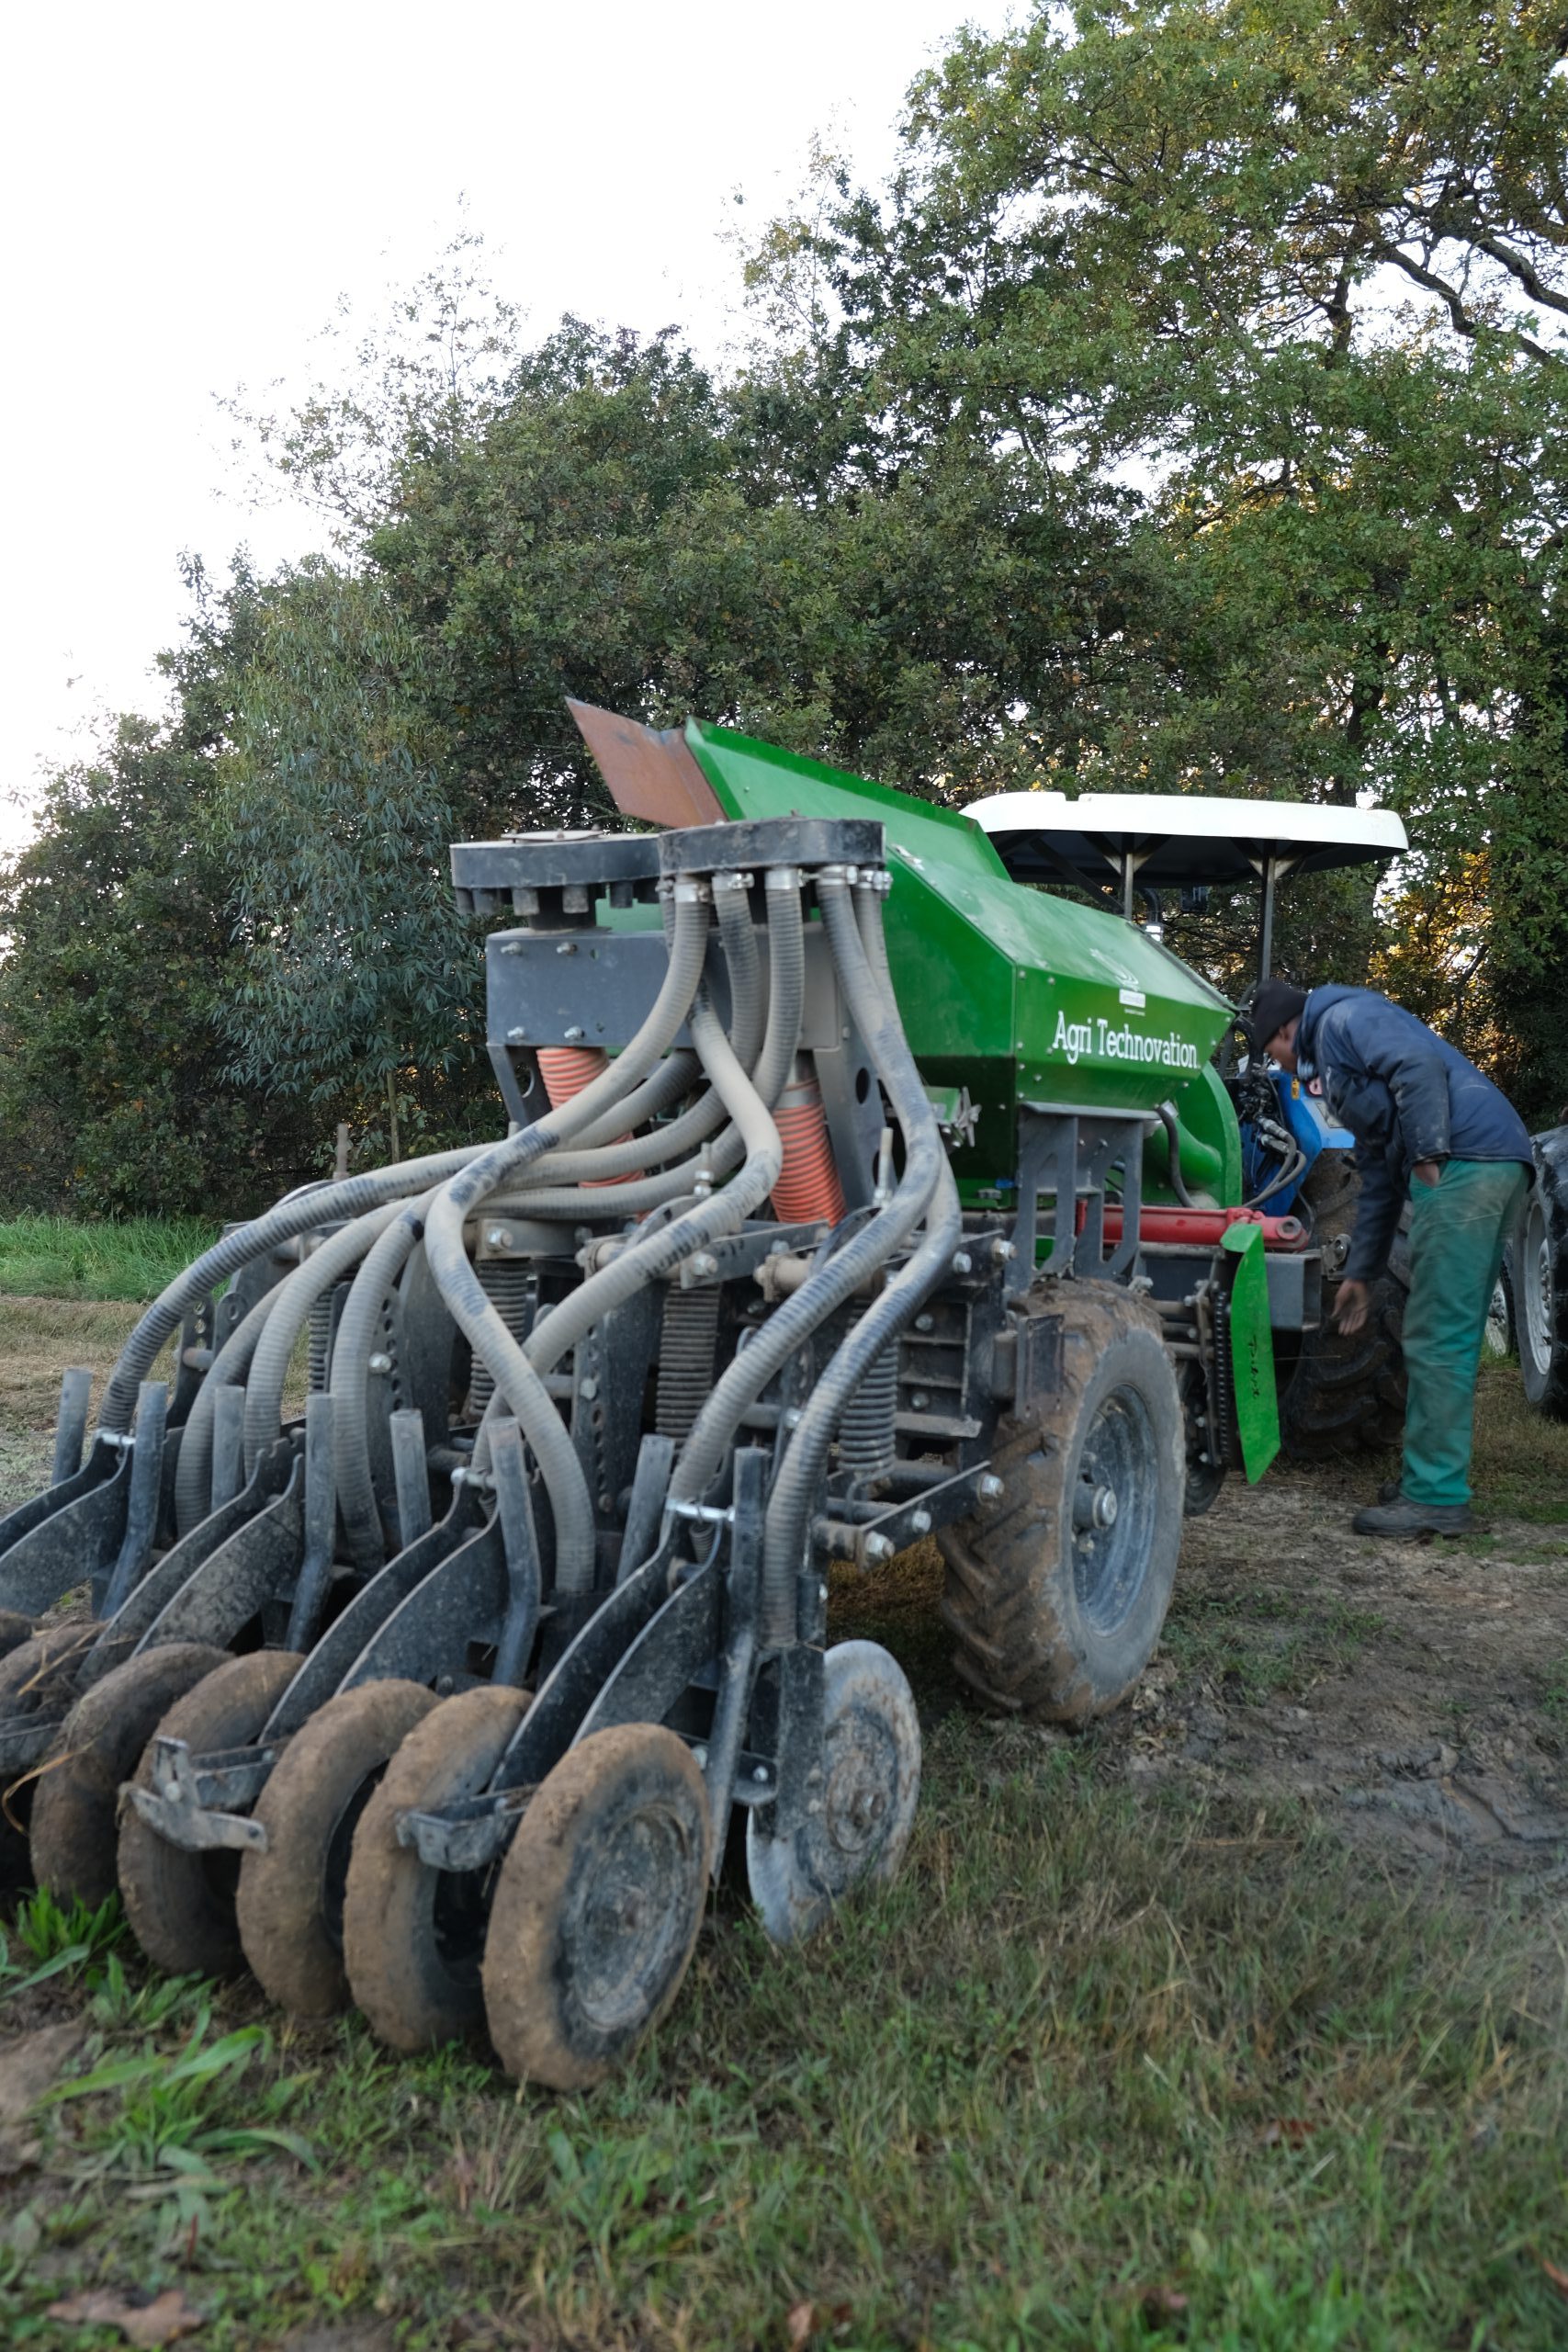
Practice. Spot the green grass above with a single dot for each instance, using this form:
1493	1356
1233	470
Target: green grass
50	1257
1092	2052
1263	1640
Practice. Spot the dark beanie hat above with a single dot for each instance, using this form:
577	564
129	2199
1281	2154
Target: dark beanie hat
1276	1002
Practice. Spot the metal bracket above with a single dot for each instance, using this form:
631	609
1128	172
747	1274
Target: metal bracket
188	1804
468	1834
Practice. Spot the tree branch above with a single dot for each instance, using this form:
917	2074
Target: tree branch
1463	323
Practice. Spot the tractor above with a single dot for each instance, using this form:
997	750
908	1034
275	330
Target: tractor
1337	1395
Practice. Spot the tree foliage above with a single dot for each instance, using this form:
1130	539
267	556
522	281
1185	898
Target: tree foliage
1187	411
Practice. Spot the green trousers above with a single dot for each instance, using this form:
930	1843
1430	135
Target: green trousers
1458	1228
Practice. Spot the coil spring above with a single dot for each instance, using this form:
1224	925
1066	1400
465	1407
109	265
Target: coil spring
508	1283
687	1347
320	1341
867	1439
808	1189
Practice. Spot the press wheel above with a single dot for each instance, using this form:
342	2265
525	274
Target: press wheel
181	1905
597	1906
75	1831
413	1937
870	1762
290	1905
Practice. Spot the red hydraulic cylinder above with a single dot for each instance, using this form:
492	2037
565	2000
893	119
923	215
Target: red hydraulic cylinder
1205	1229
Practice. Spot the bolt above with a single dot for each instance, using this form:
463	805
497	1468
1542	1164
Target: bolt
703	1265
587	1390
1002	1251
990	1488
518	1037
567	947
760	1773
497	1239
962	1261
919	1400
574	1036
700	1757
919	1522
822	1592
925	1322
878	1548
380	1363
792	1418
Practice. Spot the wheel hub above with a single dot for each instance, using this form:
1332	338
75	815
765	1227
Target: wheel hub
630	1916
863	1768
1114	1502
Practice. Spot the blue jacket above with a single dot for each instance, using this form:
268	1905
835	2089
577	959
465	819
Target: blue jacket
1405	1095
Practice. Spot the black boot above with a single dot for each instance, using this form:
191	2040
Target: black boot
1399	1516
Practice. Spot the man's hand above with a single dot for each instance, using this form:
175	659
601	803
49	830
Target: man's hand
1351	1307
1428	1171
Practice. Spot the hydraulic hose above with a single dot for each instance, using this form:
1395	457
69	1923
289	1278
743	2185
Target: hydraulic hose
314	1204
800	1474
515	1377
864	1254
321	1271
1167	1119
193	1470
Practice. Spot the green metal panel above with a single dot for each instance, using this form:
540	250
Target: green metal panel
1015	995
1252	1351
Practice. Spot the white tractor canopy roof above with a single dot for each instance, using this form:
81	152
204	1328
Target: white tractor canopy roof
1174	840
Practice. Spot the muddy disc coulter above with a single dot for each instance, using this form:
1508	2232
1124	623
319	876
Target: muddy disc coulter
852	1193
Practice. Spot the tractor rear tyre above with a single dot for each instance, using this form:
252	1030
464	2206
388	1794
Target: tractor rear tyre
1542	1290
1057	1592
598	1907
180	1905
75	1826
290	1906
1345	1394
413	1937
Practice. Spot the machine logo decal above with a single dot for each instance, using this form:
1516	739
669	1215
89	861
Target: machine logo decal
1098	1039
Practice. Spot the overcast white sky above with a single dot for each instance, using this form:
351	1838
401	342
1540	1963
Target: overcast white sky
186	190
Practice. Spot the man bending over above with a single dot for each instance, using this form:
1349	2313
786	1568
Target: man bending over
1427	1126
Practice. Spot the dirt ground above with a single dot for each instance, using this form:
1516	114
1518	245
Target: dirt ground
1416	1691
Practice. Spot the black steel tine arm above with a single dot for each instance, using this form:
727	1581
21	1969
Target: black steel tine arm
412	1474
739	1665
645	1510
70	1429
142	1503
514	1507
228	1444
321	1522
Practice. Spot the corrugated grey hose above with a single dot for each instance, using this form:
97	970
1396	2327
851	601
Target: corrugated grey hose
656	1256
515	1377
358	1333
786	997
322	1271
633	1153
787	1532
786	1000
316	1204
193	1468
828	1287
